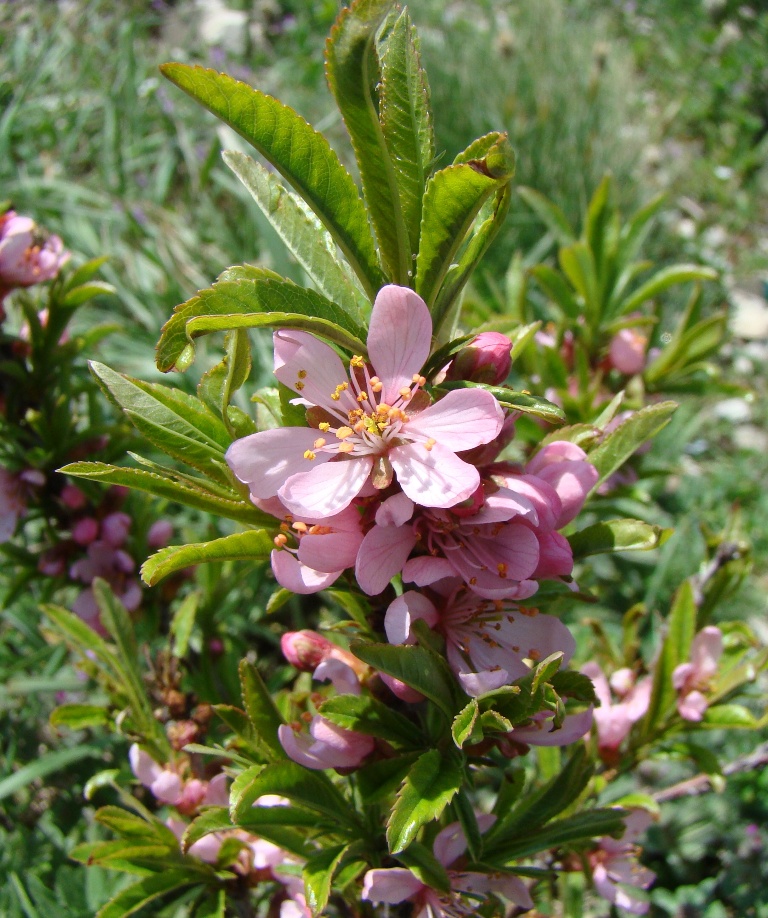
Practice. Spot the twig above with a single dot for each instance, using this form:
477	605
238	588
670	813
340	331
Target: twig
702	784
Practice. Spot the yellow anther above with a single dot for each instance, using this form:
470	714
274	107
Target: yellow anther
300	526
324	426
346	447
319	443
383	408
418	380
335	396
280	540
343	432
405	392
502	569
308	454
357	361
299	386
363	397
285	527
360	426
302	374
429	444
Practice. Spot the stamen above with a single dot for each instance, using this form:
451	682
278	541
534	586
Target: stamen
299	526
302	374
429	444
319	443
343	432
280	540
357	361
324	426
346	447
308	454
502	569
299	386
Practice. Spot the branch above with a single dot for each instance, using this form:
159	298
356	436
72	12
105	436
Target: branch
702	784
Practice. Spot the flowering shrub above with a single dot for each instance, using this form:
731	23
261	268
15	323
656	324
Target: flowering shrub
440	549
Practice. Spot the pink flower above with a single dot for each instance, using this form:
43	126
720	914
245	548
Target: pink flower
328	746
393	885
160	534
486	359
166	785
370	425
311	554
626	352
541	732
615	871
113	565
306	650
487	642
614	720
28	255
12	504
693	679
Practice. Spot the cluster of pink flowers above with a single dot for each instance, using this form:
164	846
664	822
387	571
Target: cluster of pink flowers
28	255
616	873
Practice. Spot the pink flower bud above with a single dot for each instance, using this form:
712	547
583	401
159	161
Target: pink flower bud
626	352
115	528
486	359
73	497
28	255
85	530
305	650
160	534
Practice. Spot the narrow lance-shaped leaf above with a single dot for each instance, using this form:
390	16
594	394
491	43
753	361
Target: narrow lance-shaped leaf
318	875
302	232
616	535
261	710
661	281
255	545
406	121
549	214
352	70
298	152
258	298
453	199
621	443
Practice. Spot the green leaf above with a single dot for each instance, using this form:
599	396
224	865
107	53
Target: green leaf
675	649
213	906
298	152
616	535
452	200
175	422
406	121
353	73
129	825
556	287
515	401
218	385
261	710
661	281
76	296
212	819
364	714
380	779
258	301
140	894
254	545
182	624
622	442
550	215
416	666
169	489
302	233
46	764
463	724
429	787
318	875
686	347
79	716
721	716
578	265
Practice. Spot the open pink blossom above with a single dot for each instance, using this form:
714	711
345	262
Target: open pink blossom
614	719
113	565
393	885
369	425
615	871
312	553
327	745
487	642
693	679
168	786
28	255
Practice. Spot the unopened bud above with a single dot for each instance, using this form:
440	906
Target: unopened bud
305	650
626	352
486	359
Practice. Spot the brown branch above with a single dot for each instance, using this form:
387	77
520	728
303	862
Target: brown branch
702	784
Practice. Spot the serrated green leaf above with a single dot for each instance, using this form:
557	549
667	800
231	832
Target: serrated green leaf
616	535
240	725
428	788
257	301
318	875
182	623
406	121
621	443
452	200
353	73
79	716
364	714
302	233
129	825
380	779
416	666
140	894
169	489
212	819
261	710
298	152
464	723
254	545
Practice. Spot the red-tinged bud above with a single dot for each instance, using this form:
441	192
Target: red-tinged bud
73	497
305	650
160	534
626	352
85	530
486	359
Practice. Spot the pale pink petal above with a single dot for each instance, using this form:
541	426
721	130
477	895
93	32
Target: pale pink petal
513	889
399	338
602	689
552	453
395	510
692	706
449	844
706	650
636	823
167	787
403	611
300	747
382	554
143	765
638	699
400	689
264	461
504	504
337	550
477	684
312	369
426	570
613	726
681	674
390	884
340	675
462	419
435	477
207	848
540	733
513	555
555	556
292	575
326	489
217	793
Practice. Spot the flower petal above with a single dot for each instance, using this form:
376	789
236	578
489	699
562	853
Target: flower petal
333	549
325	489
390	884
265	460
464	419
292	575
403	611
383	553
399	338
312	369
433	478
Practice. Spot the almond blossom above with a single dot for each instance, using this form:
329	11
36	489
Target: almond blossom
370	425
614	719
615	870
28	255
393	885
693	679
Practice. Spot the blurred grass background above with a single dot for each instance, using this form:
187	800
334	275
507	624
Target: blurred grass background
668	95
